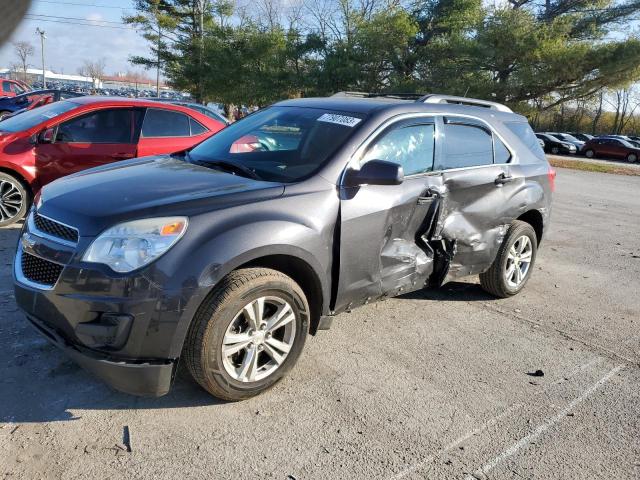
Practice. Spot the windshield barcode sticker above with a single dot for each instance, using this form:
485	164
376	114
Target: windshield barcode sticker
339	119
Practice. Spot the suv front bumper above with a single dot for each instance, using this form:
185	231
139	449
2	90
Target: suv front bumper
145	378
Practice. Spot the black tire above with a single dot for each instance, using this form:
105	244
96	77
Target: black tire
555	150
203	346
632	158
12	188
589	153
4	113
493	281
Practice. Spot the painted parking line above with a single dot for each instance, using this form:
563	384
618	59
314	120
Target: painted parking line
489	423
557	418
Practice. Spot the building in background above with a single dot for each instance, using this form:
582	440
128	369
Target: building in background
34	75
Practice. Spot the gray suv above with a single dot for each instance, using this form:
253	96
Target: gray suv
228	255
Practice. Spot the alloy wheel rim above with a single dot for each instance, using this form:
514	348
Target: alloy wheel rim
518	261
10	200
632	158
258	339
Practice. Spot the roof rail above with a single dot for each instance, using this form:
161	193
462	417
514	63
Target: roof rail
472	102
400	96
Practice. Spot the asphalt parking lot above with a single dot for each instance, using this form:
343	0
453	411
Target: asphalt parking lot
430	385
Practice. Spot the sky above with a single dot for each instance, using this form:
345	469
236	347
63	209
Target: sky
68	45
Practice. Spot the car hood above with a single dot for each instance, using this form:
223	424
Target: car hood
160	186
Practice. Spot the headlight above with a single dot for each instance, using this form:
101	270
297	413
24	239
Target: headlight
131	245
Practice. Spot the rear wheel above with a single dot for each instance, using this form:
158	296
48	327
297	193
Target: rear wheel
248	334
589	153
514	263
14	200
555	150
632	158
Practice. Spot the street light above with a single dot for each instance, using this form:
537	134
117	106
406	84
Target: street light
42	37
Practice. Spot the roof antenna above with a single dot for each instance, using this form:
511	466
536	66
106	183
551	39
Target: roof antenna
465	92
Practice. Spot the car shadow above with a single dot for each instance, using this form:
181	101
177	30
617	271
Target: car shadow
38	383
452	292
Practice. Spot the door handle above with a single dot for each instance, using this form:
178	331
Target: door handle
428	196
503	178
122	156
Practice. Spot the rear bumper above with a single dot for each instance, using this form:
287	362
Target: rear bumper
144	378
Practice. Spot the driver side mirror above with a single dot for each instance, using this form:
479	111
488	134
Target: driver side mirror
374	172
47	136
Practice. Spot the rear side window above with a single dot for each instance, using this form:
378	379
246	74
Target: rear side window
165	123
104	126
523	131
466	146
6	86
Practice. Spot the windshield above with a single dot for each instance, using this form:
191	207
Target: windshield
31	118
566	137
279	144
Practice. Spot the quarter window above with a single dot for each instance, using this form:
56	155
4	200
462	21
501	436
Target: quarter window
165	123
196	127
104	126
501	153
6	86
410	146
466	146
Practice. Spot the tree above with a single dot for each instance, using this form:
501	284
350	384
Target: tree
23	51
93	70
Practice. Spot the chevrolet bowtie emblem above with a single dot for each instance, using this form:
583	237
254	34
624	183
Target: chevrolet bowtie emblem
28	242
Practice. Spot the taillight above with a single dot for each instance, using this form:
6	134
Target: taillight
552	178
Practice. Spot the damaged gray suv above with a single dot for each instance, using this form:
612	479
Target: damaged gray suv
228	255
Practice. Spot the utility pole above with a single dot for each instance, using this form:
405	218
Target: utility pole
42	37
158	63
200	85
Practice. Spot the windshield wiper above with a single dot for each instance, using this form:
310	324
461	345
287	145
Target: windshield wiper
225	165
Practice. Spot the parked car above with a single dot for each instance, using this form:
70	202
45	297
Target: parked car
555	145
565	137
209	112
229	254
612	147
11	88
32	99
41	145
584	137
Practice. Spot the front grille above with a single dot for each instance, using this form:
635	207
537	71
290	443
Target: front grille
55	229
39	270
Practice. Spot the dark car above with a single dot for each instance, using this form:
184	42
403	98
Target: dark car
613	148
32	99
555	146
566	137
584	137
228	255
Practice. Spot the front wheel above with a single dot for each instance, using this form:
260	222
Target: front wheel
555	150
4	114
514	263
632	158
14	200
248	334
589	153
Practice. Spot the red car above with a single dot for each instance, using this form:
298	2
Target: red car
612	147
11	88
61	138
